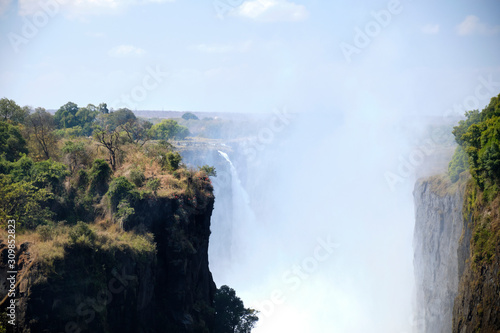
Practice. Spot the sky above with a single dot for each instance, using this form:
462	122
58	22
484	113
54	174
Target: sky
411	57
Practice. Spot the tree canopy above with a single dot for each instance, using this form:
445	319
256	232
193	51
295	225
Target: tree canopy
12	143
189	116
9	110
231	316
479	138
169	129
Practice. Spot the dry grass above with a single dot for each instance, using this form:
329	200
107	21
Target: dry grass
46	251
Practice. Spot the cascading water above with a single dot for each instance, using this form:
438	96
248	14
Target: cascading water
243	216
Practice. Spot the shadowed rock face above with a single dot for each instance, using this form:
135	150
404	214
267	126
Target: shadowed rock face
171	290
438	227
477	306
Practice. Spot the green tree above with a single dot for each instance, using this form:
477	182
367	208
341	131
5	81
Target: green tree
22	201
479	136
65	117
458	164
12	143
103	108
99	175
209	170
115	119
173	161
85	118
169	129
75	155
189	115
9	110
231	316
121	194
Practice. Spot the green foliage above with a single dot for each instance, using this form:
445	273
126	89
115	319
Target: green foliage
45	232
137	177
483	244
490	160
124	212
82	178
75	154
69	132
99	175
120	189
209	170
479	136
81	234
12	143
22	201
42	174
65	117
78	121
9	110
458	164
153	185
137	131
169	129
173	161
189	116
115	119
49	174
231	316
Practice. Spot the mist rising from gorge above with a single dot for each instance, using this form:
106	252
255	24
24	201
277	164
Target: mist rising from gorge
330	249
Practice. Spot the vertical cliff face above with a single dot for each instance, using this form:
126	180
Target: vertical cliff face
438	227
477	306
113	286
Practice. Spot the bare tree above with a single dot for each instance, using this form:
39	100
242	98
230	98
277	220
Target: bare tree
109	139
39	128
137	131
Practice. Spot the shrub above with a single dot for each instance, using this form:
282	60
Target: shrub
153	185
458	164
173	161
99	175
82	178
45	232
124	212
82	234
120	189
137	177
209	170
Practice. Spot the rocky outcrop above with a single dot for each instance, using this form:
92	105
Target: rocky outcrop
118	289
438	227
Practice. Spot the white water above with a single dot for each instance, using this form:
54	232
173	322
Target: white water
320	187
235	232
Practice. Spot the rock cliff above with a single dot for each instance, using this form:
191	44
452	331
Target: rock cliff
115	287
438	226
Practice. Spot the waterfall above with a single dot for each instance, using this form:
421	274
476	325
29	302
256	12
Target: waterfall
243	217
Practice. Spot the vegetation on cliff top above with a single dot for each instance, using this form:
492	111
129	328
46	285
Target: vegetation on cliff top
74	180
478	152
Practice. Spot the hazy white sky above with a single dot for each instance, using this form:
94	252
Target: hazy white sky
249	56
